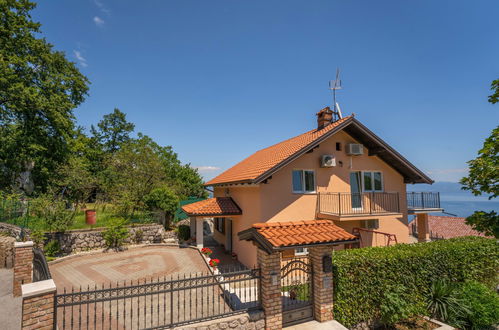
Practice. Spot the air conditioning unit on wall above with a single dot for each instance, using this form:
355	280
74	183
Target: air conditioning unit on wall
328	161
355	149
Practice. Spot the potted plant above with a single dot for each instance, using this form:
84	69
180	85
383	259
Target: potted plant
206	251
214	263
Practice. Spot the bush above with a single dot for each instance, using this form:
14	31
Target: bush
363	276
52	248
443	303
38	238
482	304
184	232
116	234
395	306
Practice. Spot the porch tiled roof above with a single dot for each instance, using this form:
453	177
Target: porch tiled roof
282	234
266	159
217	206
449	227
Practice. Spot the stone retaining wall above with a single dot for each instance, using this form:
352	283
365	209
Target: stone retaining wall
6	251
247	321
12	230
79	240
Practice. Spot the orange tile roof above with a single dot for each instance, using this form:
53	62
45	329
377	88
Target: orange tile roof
447	227
213	207
266	159
281	234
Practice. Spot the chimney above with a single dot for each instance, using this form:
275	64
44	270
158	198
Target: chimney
324	117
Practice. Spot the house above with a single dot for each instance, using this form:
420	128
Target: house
444	227
339	171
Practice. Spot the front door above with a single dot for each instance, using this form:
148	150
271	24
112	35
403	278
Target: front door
356	190
296	291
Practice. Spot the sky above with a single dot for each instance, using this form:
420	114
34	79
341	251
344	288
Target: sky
218	80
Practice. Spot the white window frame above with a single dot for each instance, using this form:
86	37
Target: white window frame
303	191
304	252
372	181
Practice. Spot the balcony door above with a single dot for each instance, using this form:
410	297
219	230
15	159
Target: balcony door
356	189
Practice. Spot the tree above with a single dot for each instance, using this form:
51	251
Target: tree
39	88
113	130
165	200
483	177
132	172
494	98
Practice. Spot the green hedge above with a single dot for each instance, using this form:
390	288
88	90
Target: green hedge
362	277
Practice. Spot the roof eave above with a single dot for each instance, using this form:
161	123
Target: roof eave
302	151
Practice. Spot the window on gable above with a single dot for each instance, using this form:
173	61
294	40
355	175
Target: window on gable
303	181
373	181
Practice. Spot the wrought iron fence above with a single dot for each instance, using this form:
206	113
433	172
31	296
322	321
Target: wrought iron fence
14	211
347	204
160	303
423	200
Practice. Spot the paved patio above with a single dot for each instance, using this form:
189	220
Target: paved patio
130	265
10	307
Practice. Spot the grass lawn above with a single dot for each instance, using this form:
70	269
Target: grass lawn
105	213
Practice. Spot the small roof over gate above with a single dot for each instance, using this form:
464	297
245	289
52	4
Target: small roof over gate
217	206
275	236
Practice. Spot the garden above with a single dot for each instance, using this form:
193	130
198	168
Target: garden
453	281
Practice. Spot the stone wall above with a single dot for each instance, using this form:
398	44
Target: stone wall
7	251
73	241
248	321
12	230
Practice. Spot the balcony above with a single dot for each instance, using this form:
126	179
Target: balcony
423	202
339	205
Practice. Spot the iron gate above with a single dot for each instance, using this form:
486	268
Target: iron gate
41	270
296	291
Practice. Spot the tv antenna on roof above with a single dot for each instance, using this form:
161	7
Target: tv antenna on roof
335	85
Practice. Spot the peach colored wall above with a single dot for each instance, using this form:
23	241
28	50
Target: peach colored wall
275	200
248	199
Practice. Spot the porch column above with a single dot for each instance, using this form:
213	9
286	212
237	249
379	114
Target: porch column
423	227
192	223
270	292
199	232
322	282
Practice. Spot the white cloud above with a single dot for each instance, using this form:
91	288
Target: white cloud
447	174
102	7
81	60
207	168
98	21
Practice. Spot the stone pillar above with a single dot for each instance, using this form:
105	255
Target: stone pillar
38	305
322	282
423	227
270	293
199	232
23	265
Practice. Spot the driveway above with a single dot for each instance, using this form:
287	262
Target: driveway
130	265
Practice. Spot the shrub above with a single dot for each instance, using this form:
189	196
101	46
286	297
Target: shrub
138	236
38	238
116	234
363	276
482	304
184	232
52	248
395	306
442	301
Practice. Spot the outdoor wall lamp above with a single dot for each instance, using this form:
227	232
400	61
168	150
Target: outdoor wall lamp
327	264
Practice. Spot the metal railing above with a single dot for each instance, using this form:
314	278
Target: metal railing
423	200
366	203
41	271
160	303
